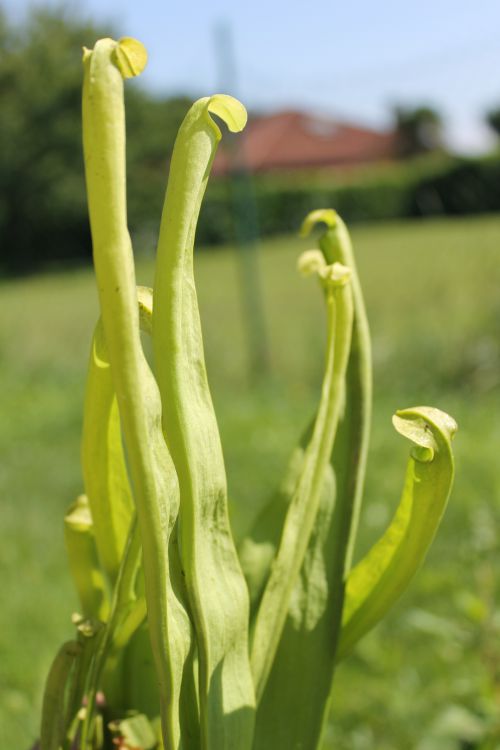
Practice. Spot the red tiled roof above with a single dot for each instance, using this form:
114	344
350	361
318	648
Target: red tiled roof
294	140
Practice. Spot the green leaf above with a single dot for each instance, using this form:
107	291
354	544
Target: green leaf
53	710
351	446
306	654
151	469
214	581
380	578
103	462
291	710
83	562
305	501
124	603
258	548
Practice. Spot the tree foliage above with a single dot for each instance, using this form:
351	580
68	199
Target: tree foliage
419	130
42	193
493	120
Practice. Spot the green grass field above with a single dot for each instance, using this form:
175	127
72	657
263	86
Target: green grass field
429	676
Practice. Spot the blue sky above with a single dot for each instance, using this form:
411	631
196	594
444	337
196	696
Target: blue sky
352	59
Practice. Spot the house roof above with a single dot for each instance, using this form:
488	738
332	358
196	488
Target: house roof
295	140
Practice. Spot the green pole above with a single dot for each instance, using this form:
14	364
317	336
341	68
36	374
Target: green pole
246	225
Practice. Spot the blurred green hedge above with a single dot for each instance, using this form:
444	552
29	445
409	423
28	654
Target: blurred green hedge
43	215
452	186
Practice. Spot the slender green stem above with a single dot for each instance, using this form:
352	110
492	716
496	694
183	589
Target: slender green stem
120	606
303	508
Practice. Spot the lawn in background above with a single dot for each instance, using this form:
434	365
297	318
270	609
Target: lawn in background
429	676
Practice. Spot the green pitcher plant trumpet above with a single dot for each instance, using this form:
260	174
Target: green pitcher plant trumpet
189	638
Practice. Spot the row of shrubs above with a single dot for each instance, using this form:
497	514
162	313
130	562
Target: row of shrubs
458	186
43	214
52	227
